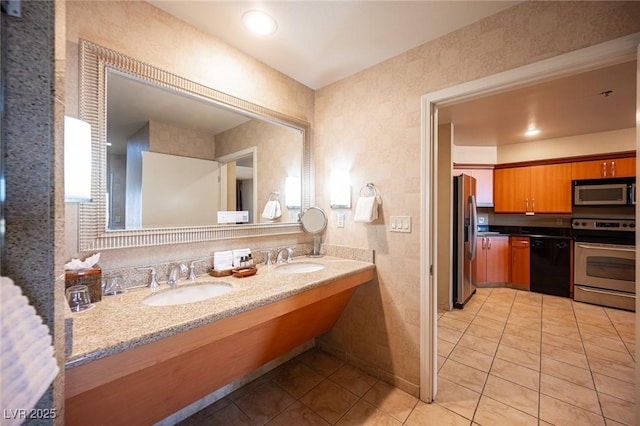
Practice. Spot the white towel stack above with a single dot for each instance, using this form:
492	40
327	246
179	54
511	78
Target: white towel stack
272	210
27	362
239	254
366	209
222	260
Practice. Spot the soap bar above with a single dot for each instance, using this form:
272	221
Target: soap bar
245	271
91	277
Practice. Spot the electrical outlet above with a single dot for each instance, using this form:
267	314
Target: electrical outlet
400	224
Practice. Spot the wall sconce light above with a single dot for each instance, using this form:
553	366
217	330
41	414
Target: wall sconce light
340	190
293	192
77	160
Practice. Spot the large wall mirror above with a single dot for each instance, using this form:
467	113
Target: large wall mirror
176	162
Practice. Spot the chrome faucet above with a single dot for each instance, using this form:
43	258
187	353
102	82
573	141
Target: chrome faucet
285	255
174	273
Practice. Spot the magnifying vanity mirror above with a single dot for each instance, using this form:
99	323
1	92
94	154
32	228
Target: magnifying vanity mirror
314	221
179	162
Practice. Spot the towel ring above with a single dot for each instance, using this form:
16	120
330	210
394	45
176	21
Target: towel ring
371	188
274	196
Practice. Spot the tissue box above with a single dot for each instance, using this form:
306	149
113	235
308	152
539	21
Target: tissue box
91	277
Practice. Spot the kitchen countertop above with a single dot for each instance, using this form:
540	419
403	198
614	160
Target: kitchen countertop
529	231
122	322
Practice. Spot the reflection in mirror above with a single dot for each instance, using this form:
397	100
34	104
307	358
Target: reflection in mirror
175	160
178	162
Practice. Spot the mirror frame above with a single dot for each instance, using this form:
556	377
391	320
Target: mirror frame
95	62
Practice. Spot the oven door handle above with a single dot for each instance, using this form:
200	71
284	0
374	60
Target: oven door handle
606	248
591	290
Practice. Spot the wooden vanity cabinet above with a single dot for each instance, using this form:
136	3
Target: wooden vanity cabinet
615	167
520	268
491	264
533	189
145	384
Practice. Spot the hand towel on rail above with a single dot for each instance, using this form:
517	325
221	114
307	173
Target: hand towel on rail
366	209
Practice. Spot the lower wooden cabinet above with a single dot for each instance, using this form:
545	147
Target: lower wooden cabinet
491	264
520	268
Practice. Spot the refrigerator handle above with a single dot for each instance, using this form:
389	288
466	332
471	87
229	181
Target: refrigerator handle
473	229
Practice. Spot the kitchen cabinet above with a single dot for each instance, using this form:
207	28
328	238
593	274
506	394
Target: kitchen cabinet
491	264
615	167
520	268
533	189
484	183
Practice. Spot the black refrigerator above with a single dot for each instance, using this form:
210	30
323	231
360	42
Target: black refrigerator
465	231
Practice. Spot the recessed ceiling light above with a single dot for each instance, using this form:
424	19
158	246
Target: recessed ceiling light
532	132
258	22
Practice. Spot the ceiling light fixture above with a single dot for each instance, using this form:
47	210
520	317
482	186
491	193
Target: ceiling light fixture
259	22
532	132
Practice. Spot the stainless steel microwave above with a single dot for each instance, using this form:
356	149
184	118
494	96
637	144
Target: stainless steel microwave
604	192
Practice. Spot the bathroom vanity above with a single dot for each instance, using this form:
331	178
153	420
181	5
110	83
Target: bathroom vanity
134	363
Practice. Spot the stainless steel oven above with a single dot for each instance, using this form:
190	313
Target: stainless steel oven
605	262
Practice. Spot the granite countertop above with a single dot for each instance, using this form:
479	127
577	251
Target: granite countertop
122	322
528	231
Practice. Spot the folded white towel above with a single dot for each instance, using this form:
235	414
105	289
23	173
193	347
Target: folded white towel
278	210
27	364
366	209
238	254
222	260
272	210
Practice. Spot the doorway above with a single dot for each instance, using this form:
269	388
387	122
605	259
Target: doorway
593	57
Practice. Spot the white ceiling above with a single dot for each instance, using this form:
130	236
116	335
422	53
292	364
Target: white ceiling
574	105
320	42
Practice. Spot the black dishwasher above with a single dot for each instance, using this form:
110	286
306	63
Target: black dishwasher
550	265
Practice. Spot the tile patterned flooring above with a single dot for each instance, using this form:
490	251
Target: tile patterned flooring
508	358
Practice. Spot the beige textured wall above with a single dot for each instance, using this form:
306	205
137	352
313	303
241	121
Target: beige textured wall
148	34
279	154
371	122
445	211
169	139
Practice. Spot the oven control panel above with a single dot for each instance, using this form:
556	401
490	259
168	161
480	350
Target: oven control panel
624	225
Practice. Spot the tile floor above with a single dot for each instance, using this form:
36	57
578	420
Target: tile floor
508	358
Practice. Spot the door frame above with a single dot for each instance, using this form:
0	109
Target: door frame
593	57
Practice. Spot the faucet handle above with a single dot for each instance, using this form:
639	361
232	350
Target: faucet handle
154	281
192	270
290	254
269	260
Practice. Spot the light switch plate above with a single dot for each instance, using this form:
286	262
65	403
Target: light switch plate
340	219
400	224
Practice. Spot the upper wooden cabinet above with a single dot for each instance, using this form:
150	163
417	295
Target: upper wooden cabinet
484	183
616	167
533	189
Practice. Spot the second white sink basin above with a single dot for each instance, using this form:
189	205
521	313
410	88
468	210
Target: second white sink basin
188	294
299	268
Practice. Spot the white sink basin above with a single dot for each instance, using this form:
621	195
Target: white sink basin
188	294
299	268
